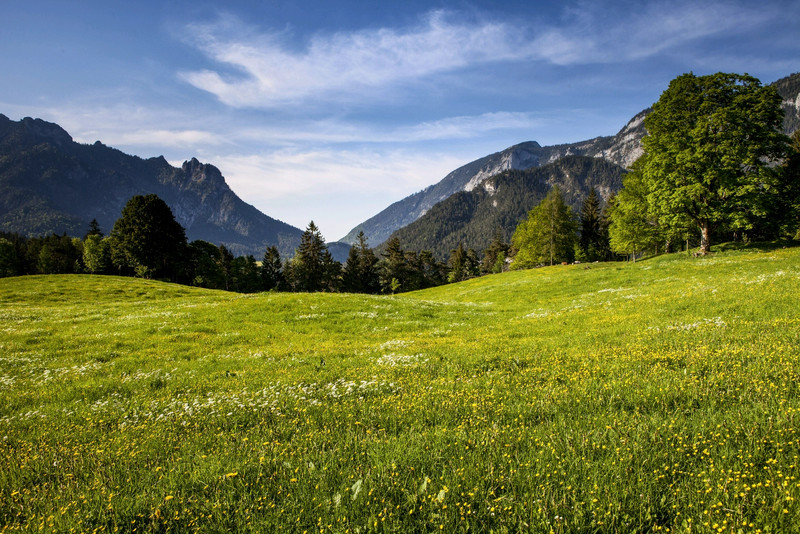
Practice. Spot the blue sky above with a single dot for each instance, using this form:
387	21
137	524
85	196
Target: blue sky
331	111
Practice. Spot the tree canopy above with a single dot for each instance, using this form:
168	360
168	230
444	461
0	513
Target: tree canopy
710	149
547	235
147	239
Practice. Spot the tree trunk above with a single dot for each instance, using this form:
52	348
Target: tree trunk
705	243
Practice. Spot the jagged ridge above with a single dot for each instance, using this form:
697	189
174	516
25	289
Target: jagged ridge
49	183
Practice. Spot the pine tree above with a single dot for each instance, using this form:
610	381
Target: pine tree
458	264
94	229
313	268
432	272
594	238
272	270
360	273
225	265
494	257
394	272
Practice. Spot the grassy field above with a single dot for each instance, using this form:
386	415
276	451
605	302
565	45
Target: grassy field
660	396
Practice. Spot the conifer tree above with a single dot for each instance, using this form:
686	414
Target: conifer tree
225	265
360	273
311	265
272	270
494	257
593	230
394	272
458	264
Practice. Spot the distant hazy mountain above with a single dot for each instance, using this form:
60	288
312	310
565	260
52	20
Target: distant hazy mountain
49	183
621	149
502	201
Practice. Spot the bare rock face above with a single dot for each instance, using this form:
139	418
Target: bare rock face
621	149
789	89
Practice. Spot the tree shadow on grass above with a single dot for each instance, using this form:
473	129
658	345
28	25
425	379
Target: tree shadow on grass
761	246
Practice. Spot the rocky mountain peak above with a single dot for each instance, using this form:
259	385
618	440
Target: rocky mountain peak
196	171
30	132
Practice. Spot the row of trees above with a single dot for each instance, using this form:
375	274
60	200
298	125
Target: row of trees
716	166
552	233
147	242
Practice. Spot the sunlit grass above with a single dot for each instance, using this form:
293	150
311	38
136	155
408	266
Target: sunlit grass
660	396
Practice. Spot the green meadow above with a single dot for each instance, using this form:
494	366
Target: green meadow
660	396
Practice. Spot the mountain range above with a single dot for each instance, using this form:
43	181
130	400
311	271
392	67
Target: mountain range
621	149
501	201
51	184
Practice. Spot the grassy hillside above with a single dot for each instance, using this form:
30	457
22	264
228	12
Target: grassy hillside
657	396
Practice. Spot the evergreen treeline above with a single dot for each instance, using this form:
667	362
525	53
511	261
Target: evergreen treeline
147	242
716	167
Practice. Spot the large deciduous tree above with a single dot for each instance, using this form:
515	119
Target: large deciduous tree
147	240
711	145
547	235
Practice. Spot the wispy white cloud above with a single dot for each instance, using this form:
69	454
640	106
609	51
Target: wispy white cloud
279	173
592	33
263	70
339	131
338	189
341	63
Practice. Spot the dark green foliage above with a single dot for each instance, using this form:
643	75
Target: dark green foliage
9	261
94	229
394	274
147	240
463	264
790	195
225	266
313	268
711	145
204	269
59	255
272	277
424	270
594	239
402	271
547	236
245	275
503	201
494	257
360	273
